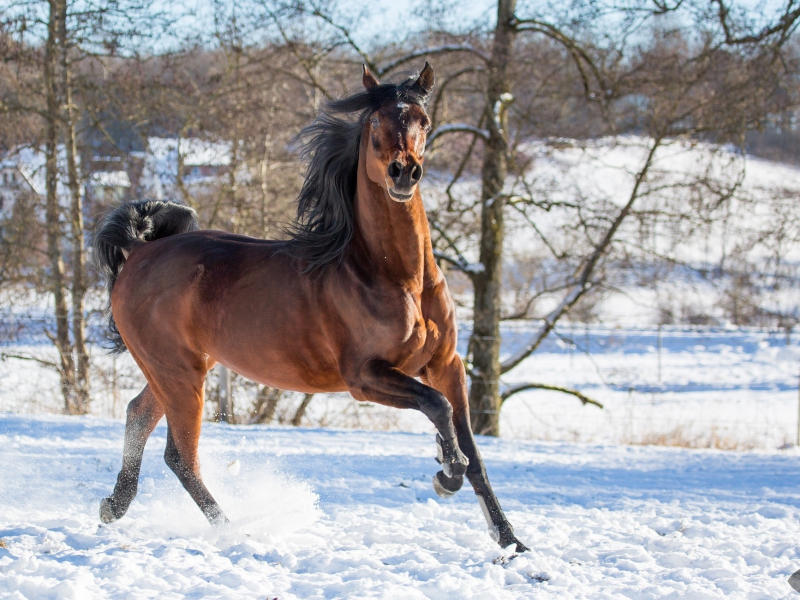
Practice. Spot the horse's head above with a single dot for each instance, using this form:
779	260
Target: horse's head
397	132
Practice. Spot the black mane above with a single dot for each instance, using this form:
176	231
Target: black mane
324	224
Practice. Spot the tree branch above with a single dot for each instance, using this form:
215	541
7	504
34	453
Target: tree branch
460	262
455	128
521	387
578	53
583	280
523	313
44	363
786	23
317	12
469	269
428	52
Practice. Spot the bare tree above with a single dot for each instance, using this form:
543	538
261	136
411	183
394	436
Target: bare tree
45	85
719	84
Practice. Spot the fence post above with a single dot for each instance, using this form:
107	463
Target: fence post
225	401
659	353
114	388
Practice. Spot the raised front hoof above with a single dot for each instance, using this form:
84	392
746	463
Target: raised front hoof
454	462
445	486
108	512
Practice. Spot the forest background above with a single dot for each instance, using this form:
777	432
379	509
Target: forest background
104	102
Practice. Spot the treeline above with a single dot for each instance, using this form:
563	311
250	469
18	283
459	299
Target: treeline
94	87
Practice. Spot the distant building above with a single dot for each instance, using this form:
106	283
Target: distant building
109	187
22	172
203	163
152	173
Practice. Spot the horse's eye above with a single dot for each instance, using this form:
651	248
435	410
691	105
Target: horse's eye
374	123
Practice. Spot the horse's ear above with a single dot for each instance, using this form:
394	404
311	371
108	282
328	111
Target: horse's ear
368	79
425	80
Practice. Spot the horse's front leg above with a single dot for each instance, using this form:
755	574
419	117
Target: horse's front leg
378	381
448	377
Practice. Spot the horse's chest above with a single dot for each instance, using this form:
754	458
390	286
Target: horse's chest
406	334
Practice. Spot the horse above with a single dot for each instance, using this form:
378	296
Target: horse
352	300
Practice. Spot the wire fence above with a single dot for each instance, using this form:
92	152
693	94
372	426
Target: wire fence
703	386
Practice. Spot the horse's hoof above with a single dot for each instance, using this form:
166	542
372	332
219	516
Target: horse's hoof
445	486
448	454
107	511
458	467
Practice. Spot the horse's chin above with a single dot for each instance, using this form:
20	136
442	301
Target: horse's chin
397	197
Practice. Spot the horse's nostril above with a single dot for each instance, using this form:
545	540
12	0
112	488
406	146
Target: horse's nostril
395	169
416	173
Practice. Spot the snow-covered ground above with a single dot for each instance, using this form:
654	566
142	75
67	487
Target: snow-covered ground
351	514
728	388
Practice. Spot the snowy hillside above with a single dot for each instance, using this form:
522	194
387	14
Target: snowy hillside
708	224
683	173
344	514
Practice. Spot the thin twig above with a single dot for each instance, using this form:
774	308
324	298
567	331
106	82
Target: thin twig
521	387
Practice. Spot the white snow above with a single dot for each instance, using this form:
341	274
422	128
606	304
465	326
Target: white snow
29	162
731	388
351	514
686	229
601	173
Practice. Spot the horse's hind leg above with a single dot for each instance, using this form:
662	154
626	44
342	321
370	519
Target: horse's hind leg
144	412
184	408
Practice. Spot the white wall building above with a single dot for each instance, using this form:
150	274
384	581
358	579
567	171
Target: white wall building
203	163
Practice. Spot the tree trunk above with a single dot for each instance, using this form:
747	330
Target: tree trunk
266	405
484	398
225	395
179	180
52	218
301	410
76	231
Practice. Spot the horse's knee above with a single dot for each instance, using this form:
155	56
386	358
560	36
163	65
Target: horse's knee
446	408
436	407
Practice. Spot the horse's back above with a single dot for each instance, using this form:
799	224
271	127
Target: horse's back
198	265
211	296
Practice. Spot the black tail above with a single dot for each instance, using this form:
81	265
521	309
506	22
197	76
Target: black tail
129	225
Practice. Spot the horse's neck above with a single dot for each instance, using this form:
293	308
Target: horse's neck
393	236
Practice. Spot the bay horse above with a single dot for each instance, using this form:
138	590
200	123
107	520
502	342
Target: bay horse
352	301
